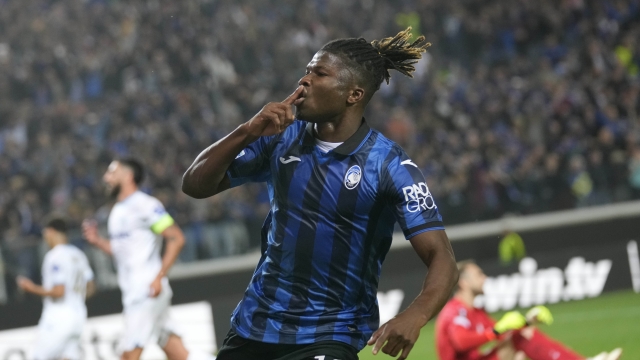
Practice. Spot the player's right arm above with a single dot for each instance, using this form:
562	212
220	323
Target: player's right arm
91	289
29	286
207	175
90	233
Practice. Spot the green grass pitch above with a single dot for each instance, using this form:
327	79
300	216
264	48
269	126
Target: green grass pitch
587	326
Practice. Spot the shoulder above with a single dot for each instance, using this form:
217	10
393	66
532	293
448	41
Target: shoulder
57	254
451	309
146	201
393	152
76	252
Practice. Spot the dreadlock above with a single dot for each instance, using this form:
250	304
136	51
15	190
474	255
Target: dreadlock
375	59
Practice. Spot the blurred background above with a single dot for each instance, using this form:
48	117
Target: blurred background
520	107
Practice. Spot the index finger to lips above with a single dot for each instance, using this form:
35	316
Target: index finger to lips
291	98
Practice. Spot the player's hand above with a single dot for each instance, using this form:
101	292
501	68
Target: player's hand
539	315
274	117
399	333
90	231
25	283
512	320
156	287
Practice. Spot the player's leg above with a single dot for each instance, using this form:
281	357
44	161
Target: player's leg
133	354
173	347
54	332
72	350
138	329
538	346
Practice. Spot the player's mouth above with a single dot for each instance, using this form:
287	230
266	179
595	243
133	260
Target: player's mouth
300	99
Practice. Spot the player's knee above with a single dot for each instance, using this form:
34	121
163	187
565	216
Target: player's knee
131	355
174	348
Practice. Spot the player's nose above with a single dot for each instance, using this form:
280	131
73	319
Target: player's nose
304	81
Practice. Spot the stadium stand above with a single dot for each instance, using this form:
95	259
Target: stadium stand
520	107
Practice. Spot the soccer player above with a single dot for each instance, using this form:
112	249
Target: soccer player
134	224
66	280
461	329
337	188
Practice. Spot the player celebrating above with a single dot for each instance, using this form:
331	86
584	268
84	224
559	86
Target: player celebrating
66	280
337	187
462	329
134	223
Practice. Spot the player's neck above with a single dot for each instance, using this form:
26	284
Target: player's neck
126	191
339	129
55	242
465	297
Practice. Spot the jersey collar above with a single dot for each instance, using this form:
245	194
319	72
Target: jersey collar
346	148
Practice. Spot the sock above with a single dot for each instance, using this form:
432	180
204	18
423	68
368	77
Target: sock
541	347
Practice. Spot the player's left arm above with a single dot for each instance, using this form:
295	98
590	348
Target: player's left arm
401	332
174	241
29	286
406	191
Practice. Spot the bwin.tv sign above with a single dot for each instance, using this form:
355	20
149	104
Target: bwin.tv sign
533	286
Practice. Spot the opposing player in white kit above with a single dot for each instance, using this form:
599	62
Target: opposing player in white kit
134	224
66	277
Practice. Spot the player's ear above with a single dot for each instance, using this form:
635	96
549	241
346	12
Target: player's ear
356	95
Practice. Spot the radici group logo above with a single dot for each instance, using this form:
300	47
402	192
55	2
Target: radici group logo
418	197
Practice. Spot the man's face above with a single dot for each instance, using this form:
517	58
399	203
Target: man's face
473	279
113	178
326	88
48	235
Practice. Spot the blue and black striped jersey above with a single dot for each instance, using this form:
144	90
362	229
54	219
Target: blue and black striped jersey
330	226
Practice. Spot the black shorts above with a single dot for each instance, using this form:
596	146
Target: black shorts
239	348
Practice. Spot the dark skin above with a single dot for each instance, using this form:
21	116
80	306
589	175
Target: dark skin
329	96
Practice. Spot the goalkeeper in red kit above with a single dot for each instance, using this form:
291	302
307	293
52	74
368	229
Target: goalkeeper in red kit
462	330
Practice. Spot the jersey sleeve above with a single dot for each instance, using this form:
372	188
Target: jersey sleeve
464	339
464	336
57	271
252	163
88	272
409	197
157	218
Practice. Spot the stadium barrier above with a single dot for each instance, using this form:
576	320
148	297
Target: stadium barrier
571	255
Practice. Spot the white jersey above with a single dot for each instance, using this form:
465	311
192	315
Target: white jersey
66	265
134	225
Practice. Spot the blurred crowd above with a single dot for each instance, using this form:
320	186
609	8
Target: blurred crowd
518	107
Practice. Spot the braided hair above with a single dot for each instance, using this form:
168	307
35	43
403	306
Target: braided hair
372	61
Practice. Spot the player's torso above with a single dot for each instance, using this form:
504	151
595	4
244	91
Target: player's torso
72	275
133	243
335	187
328	208
456	314
135	247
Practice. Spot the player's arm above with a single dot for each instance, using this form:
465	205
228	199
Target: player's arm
464	340
91	289
174	241
401	332
29	286
90	233
207	175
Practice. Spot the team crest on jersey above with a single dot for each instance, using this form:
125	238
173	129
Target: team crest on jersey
353	176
